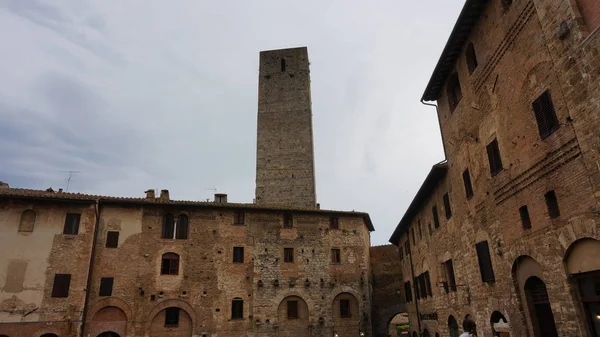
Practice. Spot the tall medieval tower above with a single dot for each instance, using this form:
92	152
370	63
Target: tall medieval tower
285	169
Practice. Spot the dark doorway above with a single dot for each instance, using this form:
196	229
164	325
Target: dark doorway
589	292
540	311
109	334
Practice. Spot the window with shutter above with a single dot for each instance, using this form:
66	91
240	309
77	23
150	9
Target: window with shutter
170	264
72	223
545	115
436	219
106	286
112	239
181	231
334	222
493	152
467	182
449	269
485	262
447	207
288	255
168	229
525	220
61	285
336	256
238	218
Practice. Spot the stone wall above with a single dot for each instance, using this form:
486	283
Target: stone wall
388	293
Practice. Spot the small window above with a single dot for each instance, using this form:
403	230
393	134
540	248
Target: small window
27	221
407	291
407	248
493	152
401	253
288	255
237	308
428	283
453	91
485	262
436	219
412	231
345	308
72	224
416	283
292	309
420	230
545	115
471	57
334	222
336	257
238	254
61	285
552	204
106	286
238	218
170	264
181	227
288	220
468	186
447	207
168	229
283	65
112	239
450	284
525	220
171	317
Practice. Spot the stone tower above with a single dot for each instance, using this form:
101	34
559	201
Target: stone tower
285	169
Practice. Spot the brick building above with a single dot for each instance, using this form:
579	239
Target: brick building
506	229
97	266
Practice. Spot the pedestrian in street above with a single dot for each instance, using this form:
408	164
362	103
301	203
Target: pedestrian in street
469	327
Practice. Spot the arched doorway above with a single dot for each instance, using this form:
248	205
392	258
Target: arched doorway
346	315
292	317
583	268
499	324
453	327
426	333
171	321
109	334
398	325
538	303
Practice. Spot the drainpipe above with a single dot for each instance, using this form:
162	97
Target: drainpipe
90	267
412	270
439	124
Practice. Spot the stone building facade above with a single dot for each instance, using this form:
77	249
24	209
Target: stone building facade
506	229
97	266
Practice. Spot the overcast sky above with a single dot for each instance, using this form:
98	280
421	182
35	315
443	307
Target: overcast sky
163	94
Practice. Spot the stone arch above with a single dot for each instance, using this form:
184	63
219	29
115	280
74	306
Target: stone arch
582	256
158	308
499	324
46	331
401	318
293	316
49	335
346	320
112	302
453	327
109	334
108	318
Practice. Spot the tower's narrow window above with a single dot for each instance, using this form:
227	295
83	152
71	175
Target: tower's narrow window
282	65
453	91
471	58
525	220
552	204
545	114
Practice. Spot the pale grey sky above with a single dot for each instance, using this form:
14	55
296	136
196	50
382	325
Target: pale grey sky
163	94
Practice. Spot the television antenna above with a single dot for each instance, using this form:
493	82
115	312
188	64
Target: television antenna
71	174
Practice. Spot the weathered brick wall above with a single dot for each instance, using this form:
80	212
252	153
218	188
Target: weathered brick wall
26	305
520	55
388	288
284	158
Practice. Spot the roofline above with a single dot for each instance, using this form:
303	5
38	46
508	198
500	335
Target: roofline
16	193
467	18
437	172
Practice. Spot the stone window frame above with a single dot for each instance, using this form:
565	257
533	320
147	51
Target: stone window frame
173	267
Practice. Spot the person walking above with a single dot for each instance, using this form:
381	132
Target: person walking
469	327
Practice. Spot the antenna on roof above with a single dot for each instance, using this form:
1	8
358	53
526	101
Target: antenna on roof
71	174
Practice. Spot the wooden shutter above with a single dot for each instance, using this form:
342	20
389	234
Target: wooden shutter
545	115
168	226
182	227
485	262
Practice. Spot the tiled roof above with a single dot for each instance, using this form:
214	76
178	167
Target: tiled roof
79	197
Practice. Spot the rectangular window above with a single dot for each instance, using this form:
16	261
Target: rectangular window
288	220
407	248
106	286
72	223
238	254
401	253
467	182
336	257
552	204
171	317
112	239
288	255
525	220
450	284
436	219
344	308
417	292
545	115
407	291
420	230
334	222
427	283
238	218
61	285
412	231
292	309
237	308
453	91
485	262
447	208
493	152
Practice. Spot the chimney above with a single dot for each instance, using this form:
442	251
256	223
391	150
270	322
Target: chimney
60	190
220	198
164	194
150	194
3	184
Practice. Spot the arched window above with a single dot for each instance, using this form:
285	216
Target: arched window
169	264
168	229
453	91
181	232
453	326
497	320
471	58
539	308
27	221
237	308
